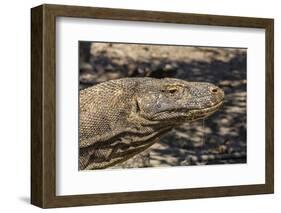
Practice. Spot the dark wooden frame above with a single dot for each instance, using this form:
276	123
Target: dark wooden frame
43	105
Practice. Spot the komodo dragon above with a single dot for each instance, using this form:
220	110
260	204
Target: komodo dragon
121	118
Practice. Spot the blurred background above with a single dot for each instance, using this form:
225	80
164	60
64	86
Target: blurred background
220	138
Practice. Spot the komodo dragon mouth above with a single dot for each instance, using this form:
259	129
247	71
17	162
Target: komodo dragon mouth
121	118
203	113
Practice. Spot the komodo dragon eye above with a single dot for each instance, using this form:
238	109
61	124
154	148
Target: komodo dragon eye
172	90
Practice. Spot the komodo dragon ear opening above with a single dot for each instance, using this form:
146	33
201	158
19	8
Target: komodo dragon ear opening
137	106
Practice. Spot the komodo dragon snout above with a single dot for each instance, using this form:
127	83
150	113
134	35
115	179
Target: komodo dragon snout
121	118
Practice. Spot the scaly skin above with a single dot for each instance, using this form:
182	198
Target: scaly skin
121	118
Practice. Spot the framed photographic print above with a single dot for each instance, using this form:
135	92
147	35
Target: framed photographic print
136	106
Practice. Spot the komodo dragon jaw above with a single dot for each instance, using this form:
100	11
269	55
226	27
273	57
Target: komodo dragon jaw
121	118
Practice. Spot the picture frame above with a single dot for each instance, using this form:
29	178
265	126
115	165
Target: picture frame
43	105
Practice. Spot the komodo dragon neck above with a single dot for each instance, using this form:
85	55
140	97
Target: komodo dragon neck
121	118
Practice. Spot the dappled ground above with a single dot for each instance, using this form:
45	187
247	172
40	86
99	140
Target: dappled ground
219	139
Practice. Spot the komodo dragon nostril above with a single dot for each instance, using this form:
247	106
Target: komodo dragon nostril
214	89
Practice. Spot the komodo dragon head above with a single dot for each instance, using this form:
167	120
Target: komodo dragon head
121	118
